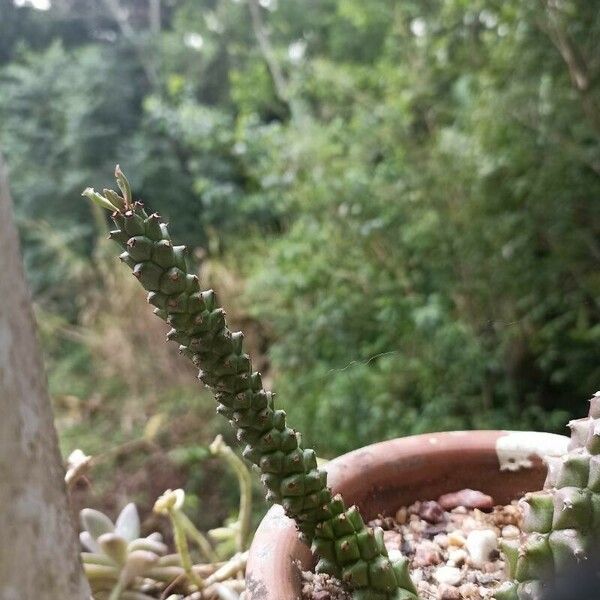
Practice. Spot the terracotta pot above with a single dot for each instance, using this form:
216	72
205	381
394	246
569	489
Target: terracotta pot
382	477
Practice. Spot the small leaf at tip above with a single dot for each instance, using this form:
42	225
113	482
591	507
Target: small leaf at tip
124	186
99	199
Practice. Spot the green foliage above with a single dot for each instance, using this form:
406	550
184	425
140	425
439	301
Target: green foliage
412	209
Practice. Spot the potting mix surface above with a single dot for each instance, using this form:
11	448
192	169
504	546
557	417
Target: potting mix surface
452	545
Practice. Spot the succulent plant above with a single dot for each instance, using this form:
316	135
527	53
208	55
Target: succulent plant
117	556
562	522
347	548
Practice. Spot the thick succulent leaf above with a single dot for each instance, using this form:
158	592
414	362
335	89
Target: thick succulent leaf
114	546
138	562
135	595
225	593
95	572
165	573
92	558
151	545
96	522
88	542
170	560
128	523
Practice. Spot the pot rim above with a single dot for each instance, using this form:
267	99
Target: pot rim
276	553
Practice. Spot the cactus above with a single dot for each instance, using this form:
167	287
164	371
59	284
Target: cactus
562	522
346	547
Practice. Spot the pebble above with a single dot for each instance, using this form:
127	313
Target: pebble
427	554
509	515
489	568
470	523
392	539
468	499
448	575
448	592
432	512
386	523
480	545
468	590
510	532
457	557
485	578
456	538
402	515
417	575
433	530
417	525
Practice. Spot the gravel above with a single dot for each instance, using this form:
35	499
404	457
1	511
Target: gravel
453	552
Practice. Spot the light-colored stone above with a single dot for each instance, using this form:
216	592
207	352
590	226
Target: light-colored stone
448	575
468	590
448	592
457	557
480	545
456	538
427	554
402	515
467	498
510	532
416	575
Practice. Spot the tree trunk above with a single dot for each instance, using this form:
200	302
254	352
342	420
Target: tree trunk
38	548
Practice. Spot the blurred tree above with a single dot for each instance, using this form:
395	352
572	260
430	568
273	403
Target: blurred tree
409	190
38	553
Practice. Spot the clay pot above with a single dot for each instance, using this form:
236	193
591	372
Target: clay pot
382	477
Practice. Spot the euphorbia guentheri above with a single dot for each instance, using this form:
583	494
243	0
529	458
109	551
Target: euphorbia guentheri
346	547
562	521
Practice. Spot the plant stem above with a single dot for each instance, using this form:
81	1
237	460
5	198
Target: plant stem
115	593
220	448
235	564
198	537
177	518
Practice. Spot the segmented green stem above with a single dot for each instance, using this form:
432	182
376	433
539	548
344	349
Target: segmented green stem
347	548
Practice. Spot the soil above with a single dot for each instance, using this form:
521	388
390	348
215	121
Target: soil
452	545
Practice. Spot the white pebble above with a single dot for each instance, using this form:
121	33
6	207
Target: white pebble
510	532
480	544
449	575
457	557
